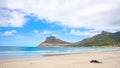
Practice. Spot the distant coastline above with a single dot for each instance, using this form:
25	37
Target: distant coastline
105	39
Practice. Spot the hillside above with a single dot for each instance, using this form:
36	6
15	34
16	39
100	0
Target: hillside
52	41
103	39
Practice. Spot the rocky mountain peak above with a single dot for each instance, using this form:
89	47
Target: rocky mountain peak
53	41
105	33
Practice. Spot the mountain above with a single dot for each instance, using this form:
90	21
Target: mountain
103	39
52	41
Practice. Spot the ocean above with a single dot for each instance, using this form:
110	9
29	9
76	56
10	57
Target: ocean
26	52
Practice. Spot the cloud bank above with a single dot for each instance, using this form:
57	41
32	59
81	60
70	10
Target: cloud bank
90	14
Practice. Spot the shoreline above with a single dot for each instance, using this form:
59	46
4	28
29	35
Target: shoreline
57	54
110	59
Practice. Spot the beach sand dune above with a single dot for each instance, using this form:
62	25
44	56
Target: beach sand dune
109	59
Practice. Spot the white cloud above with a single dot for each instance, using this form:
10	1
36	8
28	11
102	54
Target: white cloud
17	20
36	31
14	31
46	32
91	14
19	36
8	33
11	18
83	33
11	33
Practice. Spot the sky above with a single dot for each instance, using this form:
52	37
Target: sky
29	22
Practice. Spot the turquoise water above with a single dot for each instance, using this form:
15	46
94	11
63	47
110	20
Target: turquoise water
24	52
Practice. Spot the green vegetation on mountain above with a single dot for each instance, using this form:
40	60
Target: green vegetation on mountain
103	39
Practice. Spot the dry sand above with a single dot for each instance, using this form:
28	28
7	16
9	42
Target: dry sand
110	59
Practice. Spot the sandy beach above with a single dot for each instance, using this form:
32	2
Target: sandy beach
109	59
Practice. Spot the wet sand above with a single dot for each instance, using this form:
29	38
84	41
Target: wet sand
109	59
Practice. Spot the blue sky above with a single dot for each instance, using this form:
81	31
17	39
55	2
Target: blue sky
34	32
29	22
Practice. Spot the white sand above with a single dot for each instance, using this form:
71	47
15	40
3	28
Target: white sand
110	59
